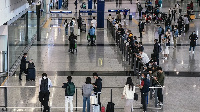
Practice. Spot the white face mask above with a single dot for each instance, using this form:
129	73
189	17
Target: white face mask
44	77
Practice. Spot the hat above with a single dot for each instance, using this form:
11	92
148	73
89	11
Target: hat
130	35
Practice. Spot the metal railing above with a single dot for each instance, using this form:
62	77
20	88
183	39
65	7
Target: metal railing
6	107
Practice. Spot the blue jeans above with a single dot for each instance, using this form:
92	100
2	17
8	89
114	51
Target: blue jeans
88	104
191	48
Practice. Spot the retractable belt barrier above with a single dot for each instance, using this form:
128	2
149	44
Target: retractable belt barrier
125	48
6	96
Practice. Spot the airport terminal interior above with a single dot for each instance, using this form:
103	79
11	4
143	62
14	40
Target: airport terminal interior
37	27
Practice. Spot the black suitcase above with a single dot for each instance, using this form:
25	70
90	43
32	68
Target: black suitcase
31	74
110	106
130	17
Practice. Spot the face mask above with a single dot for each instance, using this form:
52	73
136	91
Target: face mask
44	77
142	77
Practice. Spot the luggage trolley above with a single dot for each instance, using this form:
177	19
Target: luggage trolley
89	39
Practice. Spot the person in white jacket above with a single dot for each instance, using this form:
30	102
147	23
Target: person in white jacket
128	93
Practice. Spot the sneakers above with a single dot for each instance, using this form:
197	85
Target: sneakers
192	52
189	51
161	104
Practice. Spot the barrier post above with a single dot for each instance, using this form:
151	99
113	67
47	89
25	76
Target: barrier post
6	98
76	99
132	60
156	99
151	90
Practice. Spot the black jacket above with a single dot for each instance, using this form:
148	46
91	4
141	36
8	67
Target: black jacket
23	63
98	83
145	88
156	49
193	40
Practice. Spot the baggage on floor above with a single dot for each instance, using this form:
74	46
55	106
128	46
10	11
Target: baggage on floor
83	27
31	74
93	100
78	32
192	16
95	108
110	105
130	17
103	109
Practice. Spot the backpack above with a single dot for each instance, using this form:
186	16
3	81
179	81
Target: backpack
71	23
162	31
87	89
70	89
44	85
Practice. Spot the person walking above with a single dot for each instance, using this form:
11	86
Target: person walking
128	93
44	85
69	93
97	86
175	36
23	66
193	41
72	39
141	28
144	87
87	89
92	35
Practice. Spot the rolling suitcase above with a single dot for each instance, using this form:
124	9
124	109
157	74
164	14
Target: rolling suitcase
130	17
110	105
95	108
83	28
31	74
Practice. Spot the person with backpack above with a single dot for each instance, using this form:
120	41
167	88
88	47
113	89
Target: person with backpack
128	93
159	79
23	66
144	88
87	89
44	85
92	35
69	93
97	86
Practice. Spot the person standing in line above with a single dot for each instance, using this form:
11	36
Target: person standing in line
44	85
66	27
69	93
156	50
160	33
175	36
159	79
128	93
144	87
87	89
23	66
97	86
72	39
193	41
92	35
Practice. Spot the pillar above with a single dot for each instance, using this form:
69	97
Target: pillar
4	48
38	7
26	19
89	6
100	13
59	4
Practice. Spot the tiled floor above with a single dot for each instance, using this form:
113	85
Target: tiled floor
51	55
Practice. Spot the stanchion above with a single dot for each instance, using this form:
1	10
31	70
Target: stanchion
156	99
151	90
6	98
132	60
76	99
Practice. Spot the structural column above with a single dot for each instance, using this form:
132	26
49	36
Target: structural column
89	6
38	7
100	13
4	48
26	19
